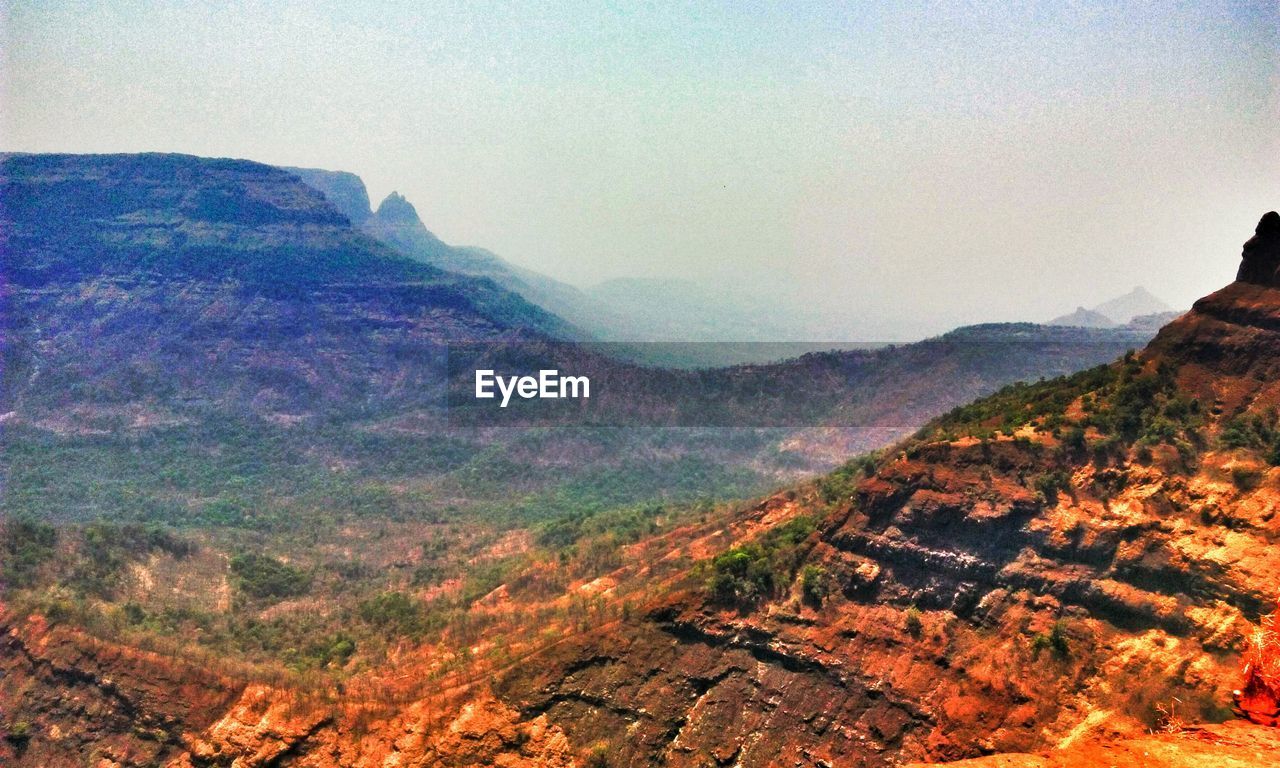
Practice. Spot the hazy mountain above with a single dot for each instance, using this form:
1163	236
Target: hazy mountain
1084	318
624	309
1136	306
1137	302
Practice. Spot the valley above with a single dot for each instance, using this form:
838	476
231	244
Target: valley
240	527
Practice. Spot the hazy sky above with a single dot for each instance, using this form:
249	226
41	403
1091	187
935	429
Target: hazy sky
919	165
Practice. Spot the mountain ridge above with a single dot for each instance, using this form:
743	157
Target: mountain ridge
1047	565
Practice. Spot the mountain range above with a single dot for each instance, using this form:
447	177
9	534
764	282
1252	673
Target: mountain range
240	529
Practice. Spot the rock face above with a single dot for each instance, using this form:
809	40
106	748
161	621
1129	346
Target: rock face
1261	257
65	697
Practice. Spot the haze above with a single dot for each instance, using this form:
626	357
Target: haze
899	169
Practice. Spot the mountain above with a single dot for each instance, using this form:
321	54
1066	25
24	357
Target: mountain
1078	560
1084	318
620	310
1071	563
397	224
224	280
1139	301
239	526
1135	307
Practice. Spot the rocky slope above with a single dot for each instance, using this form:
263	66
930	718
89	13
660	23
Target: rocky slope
1060	565
1231	745
1007	594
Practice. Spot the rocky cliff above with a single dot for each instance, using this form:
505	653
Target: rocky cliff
1261	262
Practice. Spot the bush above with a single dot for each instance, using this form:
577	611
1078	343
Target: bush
394	612
1246	478
814	584
752	572
1051	484
913	623
265	577
333	650
1055	640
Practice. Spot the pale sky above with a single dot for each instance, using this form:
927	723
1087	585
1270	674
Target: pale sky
900	166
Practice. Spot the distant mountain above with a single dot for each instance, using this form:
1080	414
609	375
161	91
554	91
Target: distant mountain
1137	302
1138	305
397	224
625	309
1084	318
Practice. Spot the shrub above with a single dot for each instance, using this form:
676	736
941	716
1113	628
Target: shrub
265	577
394	612
1246	478
1055	640
1051	484
913	623
814	584
751	572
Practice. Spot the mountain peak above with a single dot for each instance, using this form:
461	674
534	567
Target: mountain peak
395	209
1260	260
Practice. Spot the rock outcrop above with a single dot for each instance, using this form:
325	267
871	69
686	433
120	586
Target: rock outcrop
1261	258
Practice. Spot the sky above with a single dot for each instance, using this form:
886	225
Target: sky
898	168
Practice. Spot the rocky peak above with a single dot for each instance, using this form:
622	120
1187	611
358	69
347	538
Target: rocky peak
397	210
1260	262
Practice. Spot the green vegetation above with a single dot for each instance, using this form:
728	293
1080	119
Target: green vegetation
26	544
1246	478
815	584
840	484
1055	640
1259	432
266	578
746	574
1125	404
913	622
105	548
1044	402
1050	484
395	613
